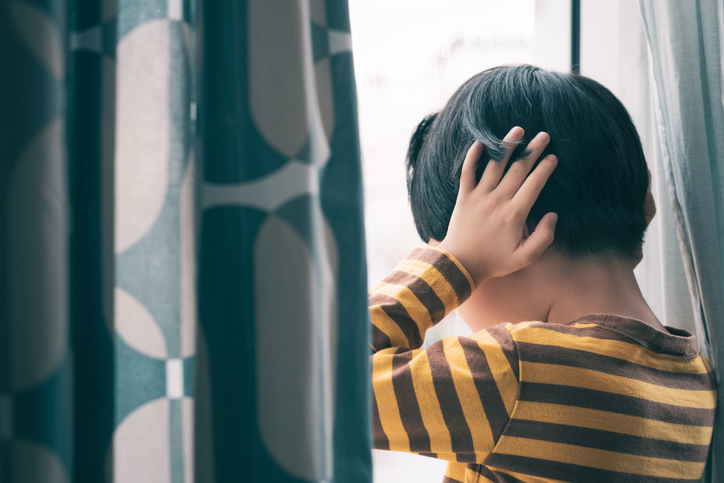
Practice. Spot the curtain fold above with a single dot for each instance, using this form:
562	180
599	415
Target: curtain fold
182	268
35	225
686	42
91	94
281	199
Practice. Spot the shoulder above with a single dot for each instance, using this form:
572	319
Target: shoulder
586	351
587	336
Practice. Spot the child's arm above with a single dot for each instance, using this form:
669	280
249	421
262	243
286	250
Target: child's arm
420	292
453	399
431	401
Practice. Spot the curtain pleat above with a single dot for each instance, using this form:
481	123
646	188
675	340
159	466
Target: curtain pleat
182	261
36	361
91	41
686	44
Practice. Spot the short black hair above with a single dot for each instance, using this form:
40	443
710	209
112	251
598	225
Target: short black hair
598	188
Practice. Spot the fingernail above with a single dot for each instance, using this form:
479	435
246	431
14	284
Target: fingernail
554	219
552	157
517	131
542	137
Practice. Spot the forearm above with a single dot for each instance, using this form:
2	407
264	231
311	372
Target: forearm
419	292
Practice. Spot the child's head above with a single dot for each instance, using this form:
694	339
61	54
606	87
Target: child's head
600	183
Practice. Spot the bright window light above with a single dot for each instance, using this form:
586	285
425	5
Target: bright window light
410	56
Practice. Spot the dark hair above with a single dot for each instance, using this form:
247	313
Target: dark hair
599	186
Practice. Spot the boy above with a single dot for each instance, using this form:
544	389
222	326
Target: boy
579	381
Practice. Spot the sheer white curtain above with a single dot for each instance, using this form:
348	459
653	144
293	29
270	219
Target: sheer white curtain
686	43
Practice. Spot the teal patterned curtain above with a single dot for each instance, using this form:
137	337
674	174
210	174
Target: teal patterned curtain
182	269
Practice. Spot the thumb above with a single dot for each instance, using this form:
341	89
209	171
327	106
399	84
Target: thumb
541	238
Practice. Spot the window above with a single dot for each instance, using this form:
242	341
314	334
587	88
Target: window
411	55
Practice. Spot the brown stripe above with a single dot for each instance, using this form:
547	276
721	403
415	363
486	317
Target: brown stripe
380	438
447	269
422	290
488	391
499	477
568	472
407	402
399	315
379	339
615	403
447	479
676	342
607	440
429	455
611	365
452	412
503	337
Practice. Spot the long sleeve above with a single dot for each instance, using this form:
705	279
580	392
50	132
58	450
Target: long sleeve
452	399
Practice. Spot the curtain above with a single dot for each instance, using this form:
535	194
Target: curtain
182	268
686	43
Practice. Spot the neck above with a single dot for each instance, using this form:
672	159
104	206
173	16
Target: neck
596	286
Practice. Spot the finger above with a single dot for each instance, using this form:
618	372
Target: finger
532	247
519	170
495	169
467	176
532	186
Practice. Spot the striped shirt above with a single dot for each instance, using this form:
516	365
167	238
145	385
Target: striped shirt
602	398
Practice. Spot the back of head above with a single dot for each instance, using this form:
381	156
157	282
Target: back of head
599	186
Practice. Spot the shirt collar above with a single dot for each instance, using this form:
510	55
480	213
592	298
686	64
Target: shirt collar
677	342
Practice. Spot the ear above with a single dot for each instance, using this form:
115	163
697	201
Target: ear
649	203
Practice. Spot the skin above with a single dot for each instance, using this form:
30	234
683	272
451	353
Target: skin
518	275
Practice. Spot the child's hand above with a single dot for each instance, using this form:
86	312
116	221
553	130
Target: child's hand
487	231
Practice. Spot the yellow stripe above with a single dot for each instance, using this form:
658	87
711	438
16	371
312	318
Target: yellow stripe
412	304
446	456
456	471
705	363
614	422
613	348
434	279
429	405
387	402
459	265
382	321
500	367
600	381
598	458
375	287
469	398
